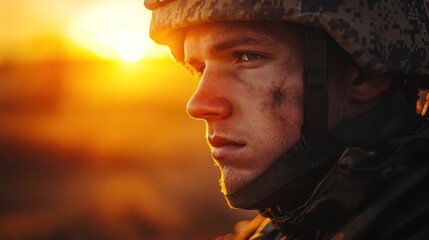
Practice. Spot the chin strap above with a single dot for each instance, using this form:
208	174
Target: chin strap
303	165
315	82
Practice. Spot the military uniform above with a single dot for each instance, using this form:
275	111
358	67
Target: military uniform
374	191
369	173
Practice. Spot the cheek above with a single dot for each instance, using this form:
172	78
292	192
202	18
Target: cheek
281	109
282	100
284	90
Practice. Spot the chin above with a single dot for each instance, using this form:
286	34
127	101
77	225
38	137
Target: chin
232	180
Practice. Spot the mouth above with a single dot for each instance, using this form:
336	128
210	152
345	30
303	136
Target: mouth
223	147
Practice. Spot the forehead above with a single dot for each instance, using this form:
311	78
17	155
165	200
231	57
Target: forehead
267	28
261	33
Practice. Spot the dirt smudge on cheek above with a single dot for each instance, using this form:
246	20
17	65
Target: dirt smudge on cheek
280	102
278	97
275	97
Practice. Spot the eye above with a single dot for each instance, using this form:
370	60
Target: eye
248	56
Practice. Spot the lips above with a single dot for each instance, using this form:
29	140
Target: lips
221	141
223	147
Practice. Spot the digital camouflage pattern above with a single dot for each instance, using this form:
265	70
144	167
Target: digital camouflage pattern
388	36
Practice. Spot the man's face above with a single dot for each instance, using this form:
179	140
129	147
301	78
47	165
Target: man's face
249	94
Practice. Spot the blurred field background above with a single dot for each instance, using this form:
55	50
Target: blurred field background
94	139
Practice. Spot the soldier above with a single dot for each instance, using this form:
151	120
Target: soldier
311	110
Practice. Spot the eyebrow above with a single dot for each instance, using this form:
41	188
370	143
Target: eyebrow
242	40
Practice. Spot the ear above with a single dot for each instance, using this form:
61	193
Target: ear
367	85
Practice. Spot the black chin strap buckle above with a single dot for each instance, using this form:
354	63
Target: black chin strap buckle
316	82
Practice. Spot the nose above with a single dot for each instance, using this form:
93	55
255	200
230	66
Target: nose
210	101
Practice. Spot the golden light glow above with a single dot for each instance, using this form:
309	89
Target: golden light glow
114	30
130	45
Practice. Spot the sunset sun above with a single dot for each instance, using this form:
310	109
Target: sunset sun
114	30
131	45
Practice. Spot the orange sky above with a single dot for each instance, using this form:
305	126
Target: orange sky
33	30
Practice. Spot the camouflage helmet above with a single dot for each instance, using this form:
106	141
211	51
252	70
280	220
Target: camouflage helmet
389	36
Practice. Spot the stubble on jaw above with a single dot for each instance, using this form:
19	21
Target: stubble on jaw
232	188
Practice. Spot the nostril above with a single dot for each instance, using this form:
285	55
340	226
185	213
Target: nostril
208	108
